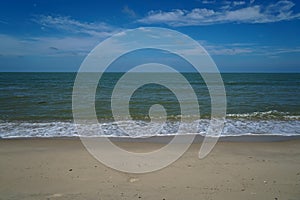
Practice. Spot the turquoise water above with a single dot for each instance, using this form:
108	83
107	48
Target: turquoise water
40	104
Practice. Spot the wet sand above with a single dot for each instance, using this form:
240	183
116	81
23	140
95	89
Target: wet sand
63	169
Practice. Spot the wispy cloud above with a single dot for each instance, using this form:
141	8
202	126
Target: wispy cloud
278	51
46	46
68	49
228	49
236	12
233	49
208	2
128	11
3	22
78	38
66	23
238	3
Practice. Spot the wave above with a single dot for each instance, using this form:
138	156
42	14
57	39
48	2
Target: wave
134	129
267	115
272	114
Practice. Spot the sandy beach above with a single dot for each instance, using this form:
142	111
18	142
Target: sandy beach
63	169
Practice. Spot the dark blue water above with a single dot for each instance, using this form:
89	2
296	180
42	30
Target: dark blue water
40	104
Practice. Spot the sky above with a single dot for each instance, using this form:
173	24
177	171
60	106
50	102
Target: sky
240	36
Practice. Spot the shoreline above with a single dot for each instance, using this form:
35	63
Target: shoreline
168	138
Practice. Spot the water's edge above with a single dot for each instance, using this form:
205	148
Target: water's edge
166	139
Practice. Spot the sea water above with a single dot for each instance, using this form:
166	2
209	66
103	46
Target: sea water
40	105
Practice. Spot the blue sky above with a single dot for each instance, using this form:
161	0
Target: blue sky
241	36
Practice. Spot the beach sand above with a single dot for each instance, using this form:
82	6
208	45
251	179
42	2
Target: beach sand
63	169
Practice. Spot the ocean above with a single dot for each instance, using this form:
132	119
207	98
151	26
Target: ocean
40	105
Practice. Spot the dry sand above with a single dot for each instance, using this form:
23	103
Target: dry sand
63	169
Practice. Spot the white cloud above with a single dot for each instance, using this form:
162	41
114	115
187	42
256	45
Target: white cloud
279	11
65	23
